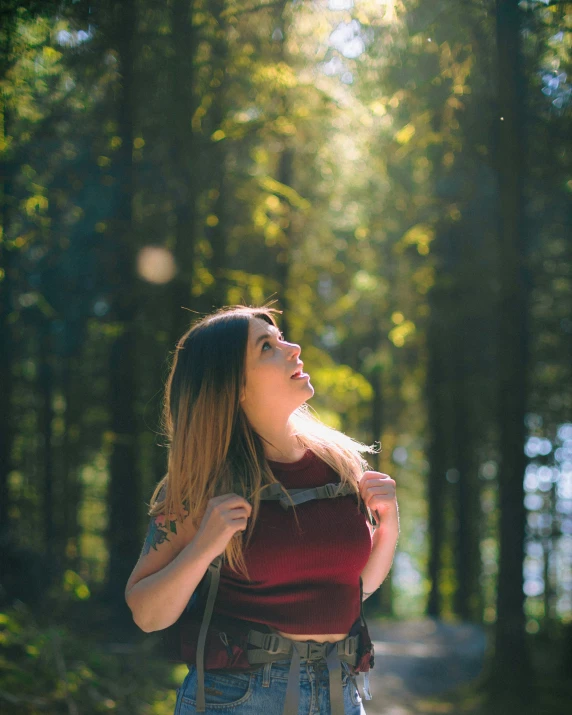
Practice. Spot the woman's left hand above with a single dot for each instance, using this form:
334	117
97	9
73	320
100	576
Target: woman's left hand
378	492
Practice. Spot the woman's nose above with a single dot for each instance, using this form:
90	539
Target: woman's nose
297	348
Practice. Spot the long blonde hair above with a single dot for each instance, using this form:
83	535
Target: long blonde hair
212	448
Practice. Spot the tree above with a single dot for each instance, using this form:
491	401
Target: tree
511	669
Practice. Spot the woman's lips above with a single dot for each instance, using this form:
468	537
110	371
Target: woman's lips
300	376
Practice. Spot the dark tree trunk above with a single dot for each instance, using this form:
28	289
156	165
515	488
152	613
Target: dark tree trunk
185	151
511	671
45	392
437	409
464	476
71	487
376	380
284	254
385	599
285	175
218	234
466	541
124	495
6	353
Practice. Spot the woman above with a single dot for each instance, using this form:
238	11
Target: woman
236	420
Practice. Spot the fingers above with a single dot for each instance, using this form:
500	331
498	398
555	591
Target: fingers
377	485
379	475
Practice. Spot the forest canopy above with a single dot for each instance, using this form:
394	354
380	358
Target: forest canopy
396	174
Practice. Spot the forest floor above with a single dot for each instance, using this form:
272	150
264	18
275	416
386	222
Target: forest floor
429	666
418	660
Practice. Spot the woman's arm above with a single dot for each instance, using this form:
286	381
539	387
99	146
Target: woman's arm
157	600
171	565
381	558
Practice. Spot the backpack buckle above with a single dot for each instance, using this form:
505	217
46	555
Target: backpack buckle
331	489
350	645
316	651
272	643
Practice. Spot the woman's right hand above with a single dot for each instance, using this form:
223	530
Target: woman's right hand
224	516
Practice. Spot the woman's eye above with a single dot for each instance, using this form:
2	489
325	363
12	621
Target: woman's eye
280	337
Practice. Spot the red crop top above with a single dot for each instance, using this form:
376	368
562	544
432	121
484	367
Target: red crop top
302	582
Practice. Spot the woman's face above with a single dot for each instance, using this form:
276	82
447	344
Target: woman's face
270	363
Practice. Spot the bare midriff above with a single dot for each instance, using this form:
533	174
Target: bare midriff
320	637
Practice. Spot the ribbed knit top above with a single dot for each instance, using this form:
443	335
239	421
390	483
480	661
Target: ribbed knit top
302	582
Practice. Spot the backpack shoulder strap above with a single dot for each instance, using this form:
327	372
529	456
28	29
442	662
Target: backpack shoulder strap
275	492
299	496
213	578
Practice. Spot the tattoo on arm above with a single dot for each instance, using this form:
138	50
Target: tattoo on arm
157	532
159	528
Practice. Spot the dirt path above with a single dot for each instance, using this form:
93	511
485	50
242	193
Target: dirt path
415	659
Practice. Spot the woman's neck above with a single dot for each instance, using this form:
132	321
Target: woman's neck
290	457
288	450
279	439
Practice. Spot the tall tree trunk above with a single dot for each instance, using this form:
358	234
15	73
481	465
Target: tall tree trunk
376	380
6	353
385	597
185	151
437	452
71	487
218	234
466	506
285	176
284	254
467	555
124	495
511	670
45	390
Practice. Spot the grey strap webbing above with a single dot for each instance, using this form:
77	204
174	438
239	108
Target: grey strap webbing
273	646
214	573
292	701
297	648
275	492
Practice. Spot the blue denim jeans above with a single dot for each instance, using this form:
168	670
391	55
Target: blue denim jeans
264	690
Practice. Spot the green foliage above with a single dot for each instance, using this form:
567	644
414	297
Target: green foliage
344	387
51	667
75	585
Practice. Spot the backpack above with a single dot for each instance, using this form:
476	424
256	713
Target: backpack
222	642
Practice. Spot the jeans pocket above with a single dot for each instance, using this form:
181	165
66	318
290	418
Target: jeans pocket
223	689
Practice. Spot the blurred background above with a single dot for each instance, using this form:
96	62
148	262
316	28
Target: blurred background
397	174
